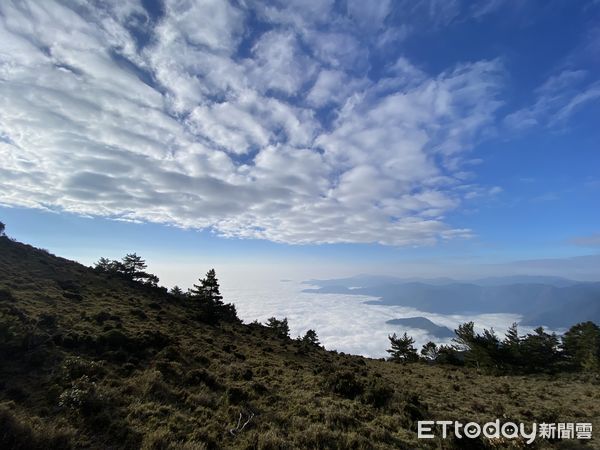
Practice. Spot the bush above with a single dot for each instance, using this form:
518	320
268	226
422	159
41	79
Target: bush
74	367
18	435
114	339
344	383
377	393
82	397
6	295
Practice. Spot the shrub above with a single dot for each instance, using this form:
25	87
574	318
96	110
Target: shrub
81	397
6	295
377	393
344	383
114	339
18	435
74	367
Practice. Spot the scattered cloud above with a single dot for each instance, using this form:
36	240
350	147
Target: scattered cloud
556	100
193	115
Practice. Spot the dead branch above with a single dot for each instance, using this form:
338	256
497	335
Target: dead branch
240	427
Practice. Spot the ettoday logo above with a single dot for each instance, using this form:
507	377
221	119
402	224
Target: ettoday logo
509	430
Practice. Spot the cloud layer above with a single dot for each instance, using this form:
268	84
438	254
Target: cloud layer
253	120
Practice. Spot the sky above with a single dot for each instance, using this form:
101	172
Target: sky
305	138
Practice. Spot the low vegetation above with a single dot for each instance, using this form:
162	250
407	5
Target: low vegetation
105	358
578	350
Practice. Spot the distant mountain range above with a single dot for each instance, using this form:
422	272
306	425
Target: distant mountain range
425	324
550	301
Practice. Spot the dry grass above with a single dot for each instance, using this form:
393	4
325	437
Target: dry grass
98	362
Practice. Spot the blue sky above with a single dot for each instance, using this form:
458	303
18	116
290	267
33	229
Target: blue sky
415	137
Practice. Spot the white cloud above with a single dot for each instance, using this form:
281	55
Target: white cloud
344	322
556	100
279	63
204	124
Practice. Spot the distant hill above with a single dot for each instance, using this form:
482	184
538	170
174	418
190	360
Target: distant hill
525	279
91	360
558	303
425	324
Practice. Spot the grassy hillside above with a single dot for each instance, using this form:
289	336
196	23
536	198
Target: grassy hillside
93	361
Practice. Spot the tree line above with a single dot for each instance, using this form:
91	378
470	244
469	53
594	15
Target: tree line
577	350
205	297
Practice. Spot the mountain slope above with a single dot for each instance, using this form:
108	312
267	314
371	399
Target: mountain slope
93	361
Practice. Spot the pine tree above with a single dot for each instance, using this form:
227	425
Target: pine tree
210	301
311	338
281	327
176	291
403	349
134	266
208	290
480	350
581	347
540	351
430	352
2	228
511	346
103	265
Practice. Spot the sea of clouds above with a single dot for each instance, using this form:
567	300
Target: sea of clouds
345	323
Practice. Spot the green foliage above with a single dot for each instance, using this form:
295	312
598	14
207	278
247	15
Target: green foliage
81	397
131	267
207	297
310	339
75	367
540	351
280	327
581	347
378	393
176	291
430	352
208	290
402	349
345	383
537	352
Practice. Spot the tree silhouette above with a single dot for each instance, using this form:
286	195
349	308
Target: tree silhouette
430	352
208	289
402	348
311	338
208	297
2	228
540	351
131	267
281	327
134	266
176	291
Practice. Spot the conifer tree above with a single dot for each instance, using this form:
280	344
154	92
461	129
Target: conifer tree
430	352
581	347
402	348
176	291
208	296
208	289
311	338
281	327
134	266
540	351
